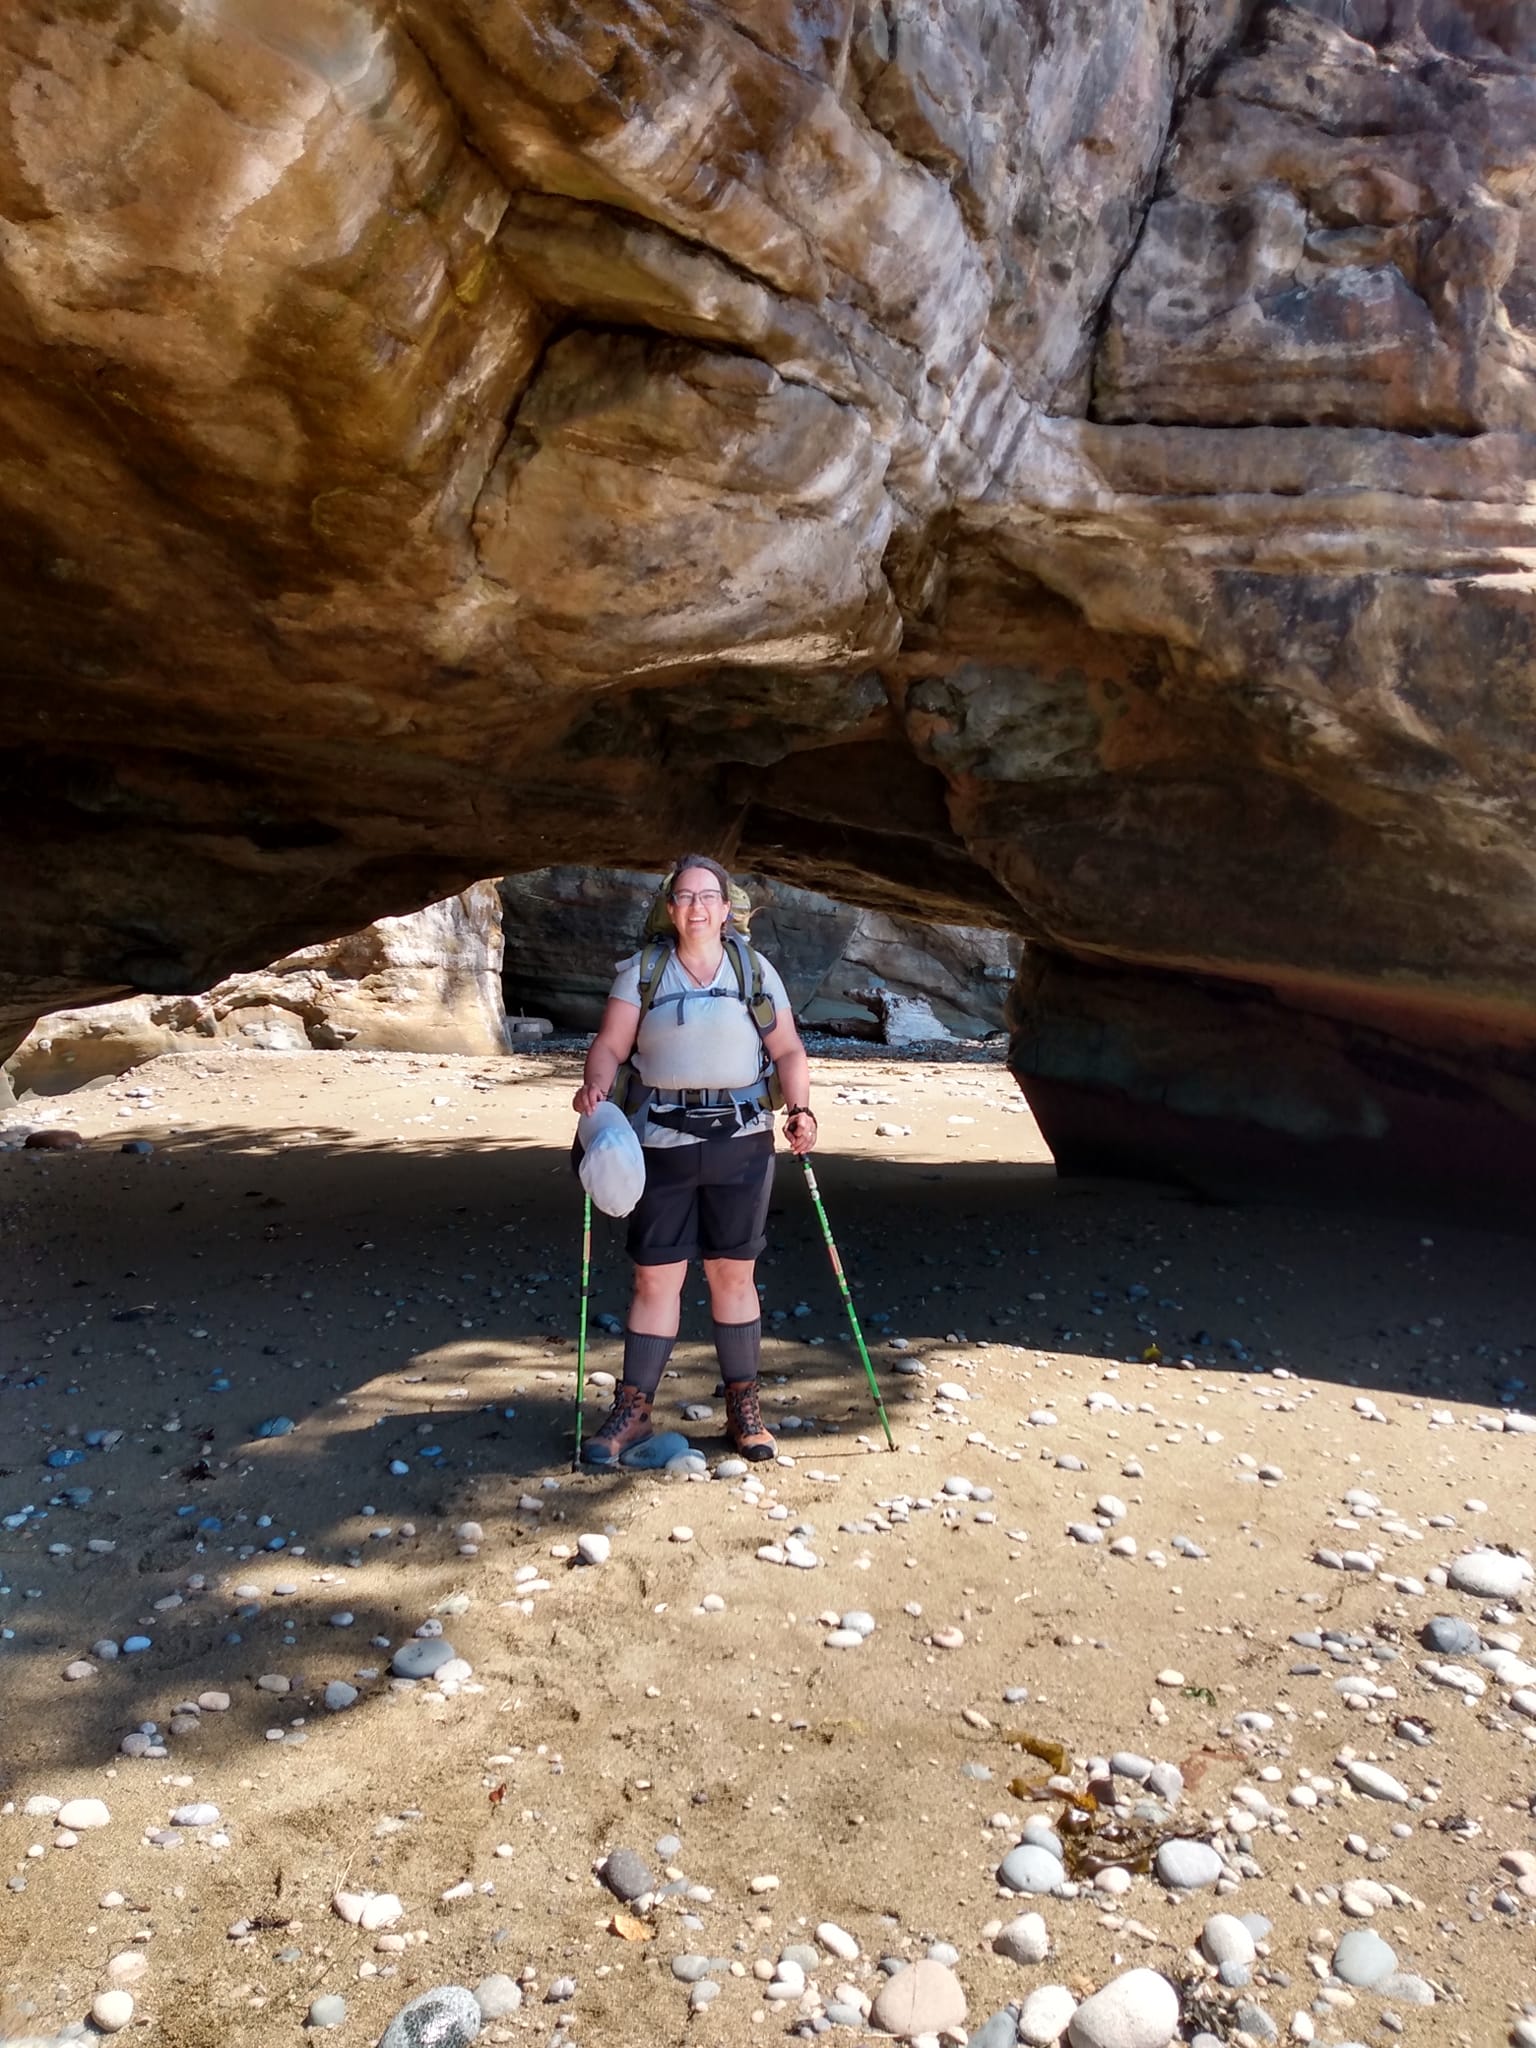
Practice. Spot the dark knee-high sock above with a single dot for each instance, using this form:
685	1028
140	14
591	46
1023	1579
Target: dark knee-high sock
645	1360
739	1348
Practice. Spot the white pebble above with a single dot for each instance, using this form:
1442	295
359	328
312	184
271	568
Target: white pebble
112	2010
81	1814
1046	2015
837	1941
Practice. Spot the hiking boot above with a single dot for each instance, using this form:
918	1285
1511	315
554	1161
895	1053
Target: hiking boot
628	1424
744	1419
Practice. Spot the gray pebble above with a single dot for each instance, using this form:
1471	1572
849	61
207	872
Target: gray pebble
626	1875
1187	1866
329	2011
201	1815
703	1994
1000	2031
1449	1636
1030	1868
1125	1763
419	1659
447	2017
1363	1960
1166	1781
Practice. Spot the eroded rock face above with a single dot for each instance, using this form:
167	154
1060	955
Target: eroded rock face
1055	467
566	928
426	983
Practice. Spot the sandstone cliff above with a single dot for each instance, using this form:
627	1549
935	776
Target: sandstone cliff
1005	461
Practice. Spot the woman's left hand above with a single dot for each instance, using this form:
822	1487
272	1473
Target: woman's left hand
800	1130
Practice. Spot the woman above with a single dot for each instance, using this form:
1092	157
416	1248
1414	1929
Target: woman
707	1129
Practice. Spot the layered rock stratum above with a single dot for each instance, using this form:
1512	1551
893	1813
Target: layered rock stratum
1061	467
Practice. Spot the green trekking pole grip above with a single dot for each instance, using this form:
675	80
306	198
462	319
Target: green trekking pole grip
853	1314
581	1338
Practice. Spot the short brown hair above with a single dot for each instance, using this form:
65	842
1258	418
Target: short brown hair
711	867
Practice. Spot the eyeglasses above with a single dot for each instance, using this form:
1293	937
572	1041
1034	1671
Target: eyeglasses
686	898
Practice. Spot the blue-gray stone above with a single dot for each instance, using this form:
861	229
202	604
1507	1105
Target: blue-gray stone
690	1969
279	1425
669	1848
1449	1636
657	1451
1363	1960
1029	1868
448	2017
1260	1928
626	1875
1001	2031
1254	2020
420	1657
850	2016
329	2011
1236	1976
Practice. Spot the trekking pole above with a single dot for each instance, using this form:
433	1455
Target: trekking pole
581	1338
853	1314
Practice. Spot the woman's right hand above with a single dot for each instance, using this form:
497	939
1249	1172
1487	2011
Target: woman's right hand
587	1097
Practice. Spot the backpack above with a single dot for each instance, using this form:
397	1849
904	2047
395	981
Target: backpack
628	1090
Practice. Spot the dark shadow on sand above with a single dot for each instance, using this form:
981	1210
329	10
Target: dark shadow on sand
445	1270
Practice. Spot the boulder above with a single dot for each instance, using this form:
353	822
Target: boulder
430	982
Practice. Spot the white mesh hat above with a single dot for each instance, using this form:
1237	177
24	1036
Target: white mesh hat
612	1166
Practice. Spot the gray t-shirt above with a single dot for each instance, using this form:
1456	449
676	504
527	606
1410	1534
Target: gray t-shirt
694	1037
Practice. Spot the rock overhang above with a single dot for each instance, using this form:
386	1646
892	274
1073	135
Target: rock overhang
1068	475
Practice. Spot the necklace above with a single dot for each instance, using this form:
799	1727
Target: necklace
701	980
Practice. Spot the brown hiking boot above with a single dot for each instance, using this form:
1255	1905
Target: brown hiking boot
629	1423
744	1419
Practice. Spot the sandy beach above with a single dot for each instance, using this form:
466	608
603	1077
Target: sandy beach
382	1250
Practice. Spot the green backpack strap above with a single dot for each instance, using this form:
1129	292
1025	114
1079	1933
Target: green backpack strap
628	1090
748	965
653	964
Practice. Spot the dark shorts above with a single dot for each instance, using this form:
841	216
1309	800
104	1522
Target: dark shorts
705	1201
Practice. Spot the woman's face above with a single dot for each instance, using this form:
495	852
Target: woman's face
703	917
